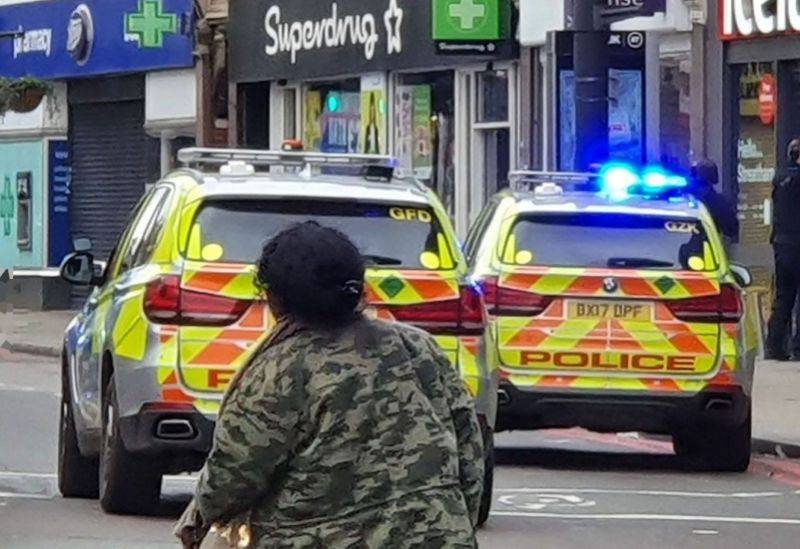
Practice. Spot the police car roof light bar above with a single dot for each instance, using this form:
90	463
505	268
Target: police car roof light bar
197	157
524	180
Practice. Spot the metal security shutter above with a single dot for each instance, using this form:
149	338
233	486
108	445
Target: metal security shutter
110	153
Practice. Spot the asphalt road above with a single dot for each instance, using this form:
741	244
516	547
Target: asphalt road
559	489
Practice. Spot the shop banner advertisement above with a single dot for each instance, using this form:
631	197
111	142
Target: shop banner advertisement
60	183
73	38
413	130
373	115
299	40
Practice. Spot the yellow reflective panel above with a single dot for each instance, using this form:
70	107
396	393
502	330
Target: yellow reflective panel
510	254
195	249
430	260
446	261
709	256
213	252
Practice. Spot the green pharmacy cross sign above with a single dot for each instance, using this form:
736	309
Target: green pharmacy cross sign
7	206
149	24
470	20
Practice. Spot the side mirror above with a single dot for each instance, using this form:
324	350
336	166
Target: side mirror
742	274
79	268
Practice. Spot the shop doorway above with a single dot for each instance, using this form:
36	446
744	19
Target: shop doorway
486	105
424	130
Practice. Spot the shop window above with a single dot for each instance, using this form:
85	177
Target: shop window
290	113
675	131
493	96
424	130
756	150
333	116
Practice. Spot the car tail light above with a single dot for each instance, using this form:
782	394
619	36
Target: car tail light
463	316
165	302
724	307
502	301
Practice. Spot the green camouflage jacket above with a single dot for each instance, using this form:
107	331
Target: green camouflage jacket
360	437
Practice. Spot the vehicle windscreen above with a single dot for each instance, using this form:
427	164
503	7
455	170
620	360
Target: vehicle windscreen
234	231
603	240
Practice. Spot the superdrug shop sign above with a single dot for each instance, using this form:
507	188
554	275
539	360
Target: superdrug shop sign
300	39
742	19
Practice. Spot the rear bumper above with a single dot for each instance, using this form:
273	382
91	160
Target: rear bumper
182	438
619	411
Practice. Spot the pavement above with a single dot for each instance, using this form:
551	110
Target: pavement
559	489
776	395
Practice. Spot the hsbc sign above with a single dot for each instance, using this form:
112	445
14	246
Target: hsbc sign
740	19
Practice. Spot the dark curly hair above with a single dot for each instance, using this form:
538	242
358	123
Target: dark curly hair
315	273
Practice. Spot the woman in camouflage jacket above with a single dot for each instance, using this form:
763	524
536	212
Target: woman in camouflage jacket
342	431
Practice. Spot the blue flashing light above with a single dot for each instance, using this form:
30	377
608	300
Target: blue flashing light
654	180
618	180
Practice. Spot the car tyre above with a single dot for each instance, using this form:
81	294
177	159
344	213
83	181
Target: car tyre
488	475
129	484
724	449
77	474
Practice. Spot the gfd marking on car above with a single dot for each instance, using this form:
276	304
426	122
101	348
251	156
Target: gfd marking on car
609	361
410	214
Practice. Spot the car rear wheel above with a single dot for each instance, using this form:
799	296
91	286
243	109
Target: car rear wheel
725	449
129	483
77	474
488	475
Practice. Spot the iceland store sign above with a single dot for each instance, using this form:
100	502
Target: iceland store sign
740	19
73	38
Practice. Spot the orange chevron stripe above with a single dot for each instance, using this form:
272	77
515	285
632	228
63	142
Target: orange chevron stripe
217	353
556	381
254	317
520	281
432	289
585	285
666	385
528	338
242	335
637	287
687	343
211	282
175	395
698	286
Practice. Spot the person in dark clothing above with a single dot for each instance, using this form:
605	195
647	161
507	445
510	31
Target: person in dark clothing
786	245
706	176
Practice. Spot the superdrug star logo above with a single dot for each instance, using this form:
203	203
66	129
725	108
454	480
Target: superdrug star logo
393	18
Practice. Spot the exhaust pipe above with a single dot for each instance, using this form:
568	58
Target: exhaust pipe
719	405
175	429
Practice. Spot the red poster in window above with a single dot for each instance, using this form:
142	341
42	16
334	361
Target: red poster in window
767	99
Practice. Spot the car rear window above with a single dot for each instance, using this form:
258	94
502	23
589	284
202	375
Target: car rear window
609	241
391	236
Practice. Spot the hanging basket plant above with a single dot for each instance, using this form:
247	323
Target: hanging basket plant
22	94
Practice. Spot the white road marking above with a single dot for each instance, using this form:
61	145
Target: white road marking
12	495
650	517
23	389
732	495
705	532
544	501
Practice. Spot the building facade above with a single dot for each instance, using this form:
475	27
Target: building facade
126	100
434	83
753	93
655	82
